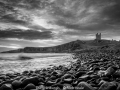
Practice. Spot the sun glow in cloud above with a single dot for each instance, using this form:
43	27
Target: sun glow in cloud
40	21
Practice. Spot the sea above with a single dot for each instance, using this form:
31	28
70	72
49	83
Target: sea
13	63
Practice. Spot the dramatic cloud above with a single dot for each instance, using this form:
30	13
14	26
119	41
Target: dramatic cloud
62	20
71	14
28	34
87	14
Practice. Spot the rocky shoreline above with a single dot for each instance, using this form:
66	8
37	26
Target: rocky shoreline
92	71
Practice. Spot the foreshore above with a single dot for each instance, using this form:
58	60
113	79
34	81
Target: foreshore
93	70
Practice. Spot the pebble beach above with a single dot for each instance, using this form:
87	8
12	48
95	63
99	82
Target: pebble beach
94	70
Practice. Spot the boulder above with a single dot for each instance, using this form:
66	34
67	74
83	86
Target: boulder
33	80
6	87
25	72
16	84
117	74
108	86
101	73
84	86
110	71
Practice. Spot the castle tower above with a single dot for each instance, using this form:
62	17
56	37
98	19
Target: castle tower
98	36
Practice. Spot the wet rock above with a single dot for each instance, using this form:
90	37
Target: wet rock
101	82
116	74
54	73
30	87
25	72
84	77
96	61
108	86
84	86
50	83
95	76
2	77
110	71
59	80
53	77
67	78
33	80
101	73
92	81
105	78
41	79
16	84
6	82
80	73
75	82
95	68
11	75
90	72
6	87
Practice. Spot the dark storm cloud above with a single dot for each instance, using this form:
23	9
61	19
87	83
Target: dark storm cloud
28	34
87	14
113	13
33	4
28	4
10	18
9	14
97	27
4	8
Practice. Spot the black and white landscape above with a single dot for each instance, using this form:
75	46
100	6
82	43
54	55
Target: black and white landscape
59	45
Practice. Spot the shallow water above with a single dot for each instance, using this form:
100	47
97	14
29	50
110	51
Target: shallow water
11	63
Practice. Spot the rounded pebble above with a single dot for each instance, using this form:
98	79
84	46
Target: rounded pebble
6	87
84	86
16	84
30	87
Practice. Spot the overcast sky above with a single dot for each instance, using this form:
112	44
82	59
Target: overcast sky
42	23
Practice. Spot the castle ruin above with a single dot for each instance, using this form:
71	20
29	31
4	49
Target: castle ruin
98	36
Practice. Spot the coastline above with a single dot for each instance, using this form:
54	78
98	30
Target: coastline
92	71
12	63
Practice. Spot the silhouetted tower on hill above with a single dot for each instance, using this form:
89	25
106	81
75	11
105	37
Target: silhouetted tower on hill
98	36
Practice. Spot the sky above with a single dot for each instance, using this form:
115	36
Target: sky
44	23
